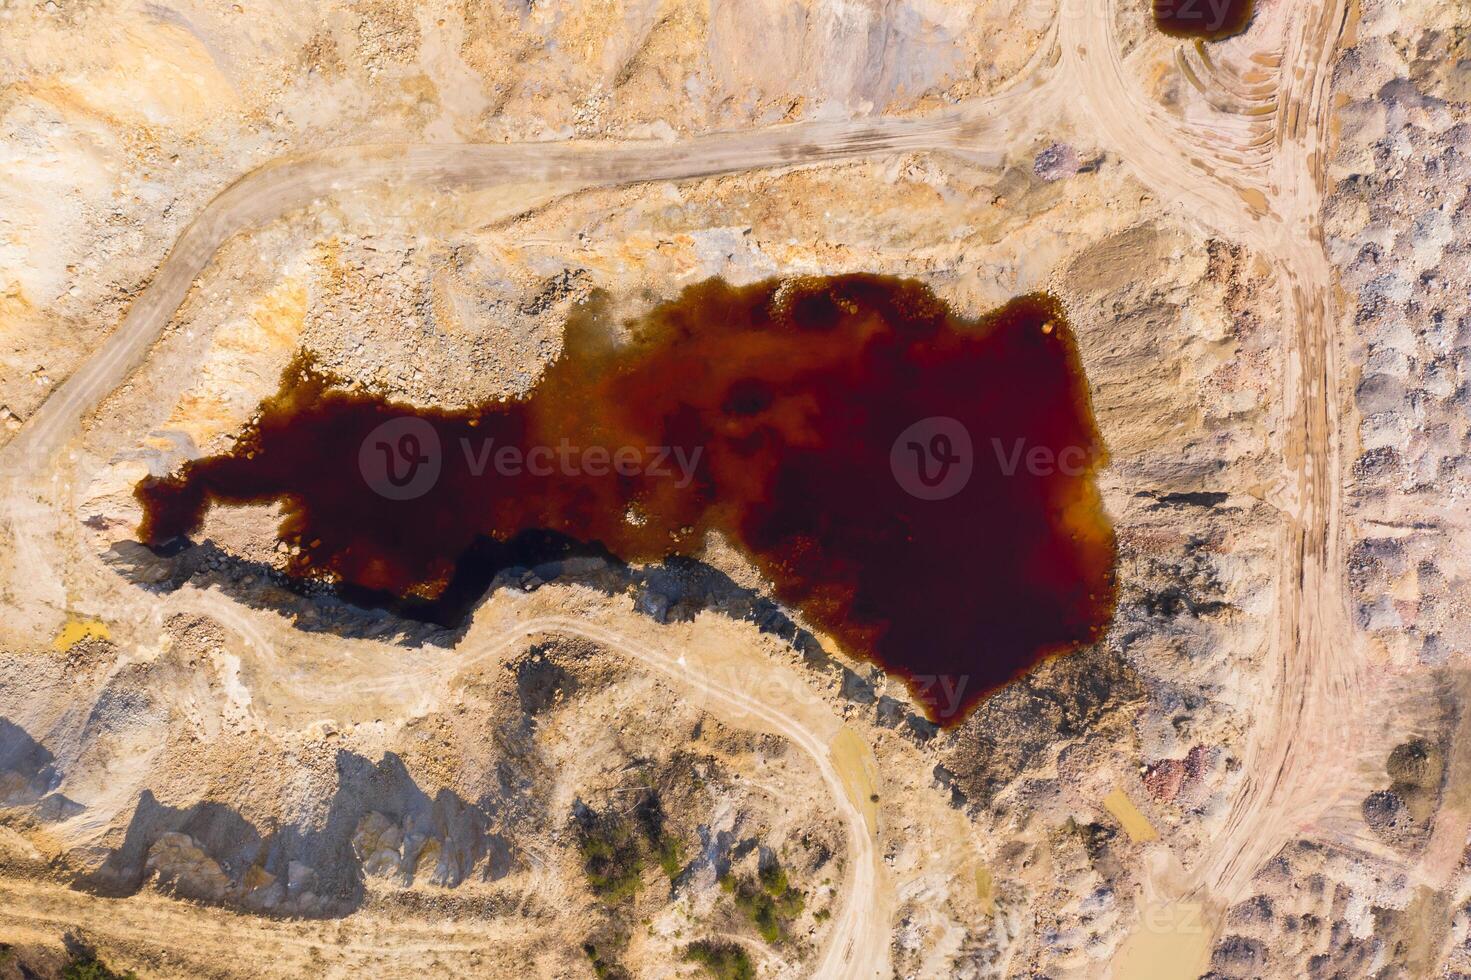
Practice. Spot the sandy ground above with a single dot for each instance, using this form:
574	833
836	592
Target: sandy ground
1259	772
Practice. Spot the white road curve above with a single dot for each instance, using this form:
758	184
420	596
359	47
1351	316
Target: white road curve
1214	176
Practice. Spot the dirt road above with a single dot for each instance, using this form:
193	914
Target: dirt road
1272	204
986	127
858	944
1216	175
223	943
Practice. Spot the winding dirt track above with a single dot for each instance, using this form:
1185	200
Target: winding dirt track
1216	176
1275	209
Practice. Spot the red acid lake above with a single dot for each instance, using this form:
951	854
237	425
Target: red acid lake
1208	20
918	484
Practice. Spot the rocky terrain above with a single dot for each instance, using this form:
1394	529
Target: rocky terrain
207	769
1380	888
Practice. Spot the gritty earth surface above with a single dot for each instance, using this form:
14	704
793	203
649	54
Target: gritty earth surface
209	770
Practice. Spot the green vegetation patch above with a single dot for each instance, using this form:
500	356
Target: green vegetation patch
770	901
603	966
724	961
613	860
86	966
616	848
671	856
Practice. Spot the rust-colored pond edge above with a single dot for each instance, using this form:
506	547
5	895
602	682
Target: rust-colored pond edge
1205	20
919	484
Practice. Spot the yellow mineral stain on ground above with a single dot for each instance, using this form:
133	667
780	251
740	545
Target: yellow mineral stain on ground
249	352
1351	26
13	304
855	765
1171	942
1136	825
1188	72
77	630
986	889
1255	200
1407	587
158	74
279	319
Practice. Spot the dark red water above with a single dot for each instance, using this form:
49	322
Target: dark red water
919	485
1209	20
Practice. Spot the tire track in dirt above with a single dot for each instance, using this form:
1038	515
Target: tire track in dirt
1317	672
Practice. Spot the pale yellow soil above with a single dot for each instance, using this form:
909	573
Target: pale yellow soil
1261	770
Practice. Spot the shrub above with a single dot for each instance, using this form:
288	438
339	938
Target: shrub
602	967
613	861
671	855
86	966
773	878
768	912
724	961
615	849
